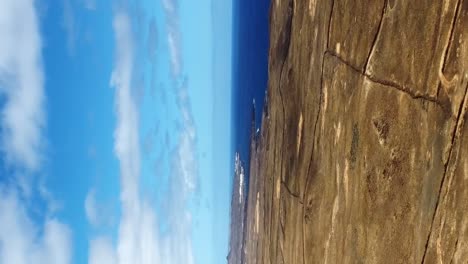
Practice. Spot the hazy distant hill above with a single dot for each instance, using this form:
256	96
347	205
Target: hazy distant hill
239	201
238	214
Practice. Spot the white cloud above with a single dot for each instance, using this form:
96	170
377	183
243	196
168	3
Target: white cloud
22	242
52	204
102	251
98	213
91	208
185	161
173	35
173	42
137	241
126	134
21	82
139	238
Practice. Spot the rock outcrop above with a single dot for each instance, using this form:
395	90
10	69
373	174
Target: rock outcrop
363	152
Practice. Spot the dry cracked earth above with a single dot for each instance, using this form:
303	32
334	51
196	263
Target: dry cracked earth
363	151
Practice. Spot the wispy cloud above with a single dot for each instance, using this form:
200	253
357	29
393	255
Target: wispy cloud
139	238
149	142
91	208
152	40
102	251
90	4
185	164
126	134
69	26
171	9
22	123
185	159
98	213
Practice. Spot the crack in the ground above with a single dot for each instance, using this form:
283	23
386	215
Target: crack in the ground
447	46
293	194
363	72
330	23
458	125
273	190
413	94
410	92
288	44
282	255
454	251
287	31
315	131
376	37
282	228
283	232
317	118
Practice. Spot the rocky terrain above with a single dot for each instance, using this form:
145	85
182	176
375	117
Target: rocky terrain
363	151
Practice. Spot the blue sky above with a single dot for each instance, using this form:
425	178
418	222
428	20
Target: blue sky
115	133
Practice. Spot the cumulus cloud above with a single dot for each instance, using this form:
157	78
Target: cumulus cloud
139	238
21	83
22	242
171	9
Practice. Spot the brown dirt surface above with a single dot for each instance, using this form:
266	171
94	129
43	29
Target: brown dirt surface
363	151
